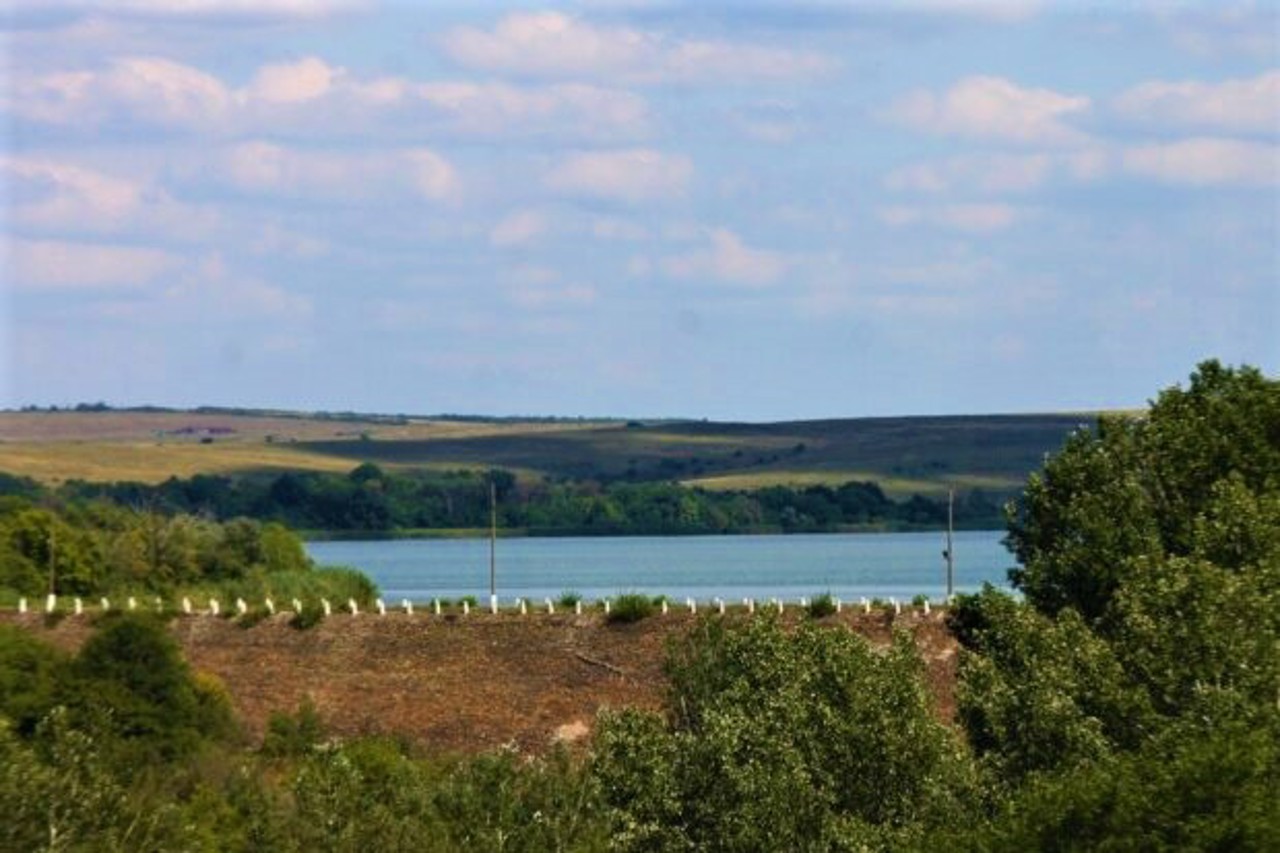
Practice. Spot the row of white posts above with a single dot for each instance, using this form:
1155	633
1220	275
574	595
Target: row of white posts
242	607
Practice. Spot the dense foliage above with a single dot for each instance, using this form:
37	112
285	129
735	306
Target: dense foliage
371	499
89	548
1130	701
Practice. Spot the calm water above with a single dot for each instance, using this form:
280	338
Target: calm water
848	565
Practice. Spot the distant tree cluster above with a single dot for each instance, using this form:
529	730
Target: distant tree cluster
370	499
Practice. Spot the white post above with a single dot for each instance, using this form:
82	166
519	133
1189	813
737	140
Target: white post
693	606
577	607
839	605
132	603
297	606
926	607
407	605
804	601
79	607
897	607
664	607
524	608
435	604
466	608
551	608
106	604
382	608
271	606
493	603
750	603
351	603
241	607
328	608
186	605
22	605
50	603
866	605
720	605
213	606
779	603
606	607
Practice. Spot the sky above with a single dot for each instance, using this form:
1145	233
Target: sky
732	210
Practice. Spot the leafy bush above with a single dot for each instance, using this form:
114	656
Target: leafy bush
631	607
293	734
309	616
821	606
568	599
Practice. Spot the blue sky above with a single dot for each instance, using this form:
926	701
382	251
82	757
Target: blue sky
748	211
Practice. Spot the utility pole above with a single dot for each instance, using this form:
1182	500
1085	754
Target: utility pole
949	553
493	545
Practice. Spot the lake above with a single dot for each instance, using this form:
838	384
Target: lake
848	565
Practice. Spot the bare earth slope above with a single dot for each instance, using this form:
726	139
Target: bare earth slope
463	684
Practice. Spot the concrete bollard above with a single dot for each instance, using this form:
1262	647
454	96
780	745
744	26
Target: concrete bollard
926	607
79	606
493	604
159	605
839	605
466	608
720	605
328	608
664	607
435	604
866	605
50	603
577	607
693	606
524	608
606	607
131	603
778	601
186	605
407	605
106	603
242	607
804	601
351	604
271	606
213	606
897	606
22	605
382	607
551	608
750	603
297	606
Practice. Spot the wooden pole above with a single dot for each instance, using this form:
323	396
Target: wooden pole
951	499
493	539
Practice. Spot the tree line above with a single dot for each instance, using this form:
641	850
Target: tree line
370	499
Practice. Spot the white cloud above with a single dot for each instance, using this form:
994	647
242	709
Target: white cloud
1206	161
150	89
970	218
994	108
312	96
64	265
1240	106
553	44
998	174
56	195
292	82
727	259
518	229
265	167
631	175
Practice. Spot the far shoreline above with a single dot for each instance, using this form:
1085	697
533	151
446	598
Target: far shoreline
428	534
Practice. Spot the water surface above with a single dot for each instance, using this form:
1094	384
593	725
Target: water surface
848	565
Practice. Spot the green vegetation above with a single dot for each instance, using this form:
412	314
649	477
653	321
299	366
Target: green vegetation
821	606
1127	702
100	547
632	607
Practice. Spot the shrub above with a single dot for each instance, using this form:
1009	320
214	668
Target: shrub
821	606
568	598
919	600
632	607
308	617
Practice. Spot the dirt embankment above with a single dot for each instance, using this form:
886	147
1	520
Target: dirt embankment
464	684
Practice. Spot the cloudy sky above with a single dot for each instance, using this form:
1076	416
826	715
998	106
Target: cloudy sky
736	210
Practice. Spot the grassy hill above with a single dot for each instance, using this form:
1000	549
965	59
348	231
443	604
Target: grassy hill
905	455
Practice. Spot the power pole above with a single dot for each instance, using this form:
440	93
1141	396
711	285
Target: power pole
493	545
949	553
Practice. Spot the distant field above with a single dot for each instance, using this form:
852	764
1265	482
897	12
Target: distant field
905	455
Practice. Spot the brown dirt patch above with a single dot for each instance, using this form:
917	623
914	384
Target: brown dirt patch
465	684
